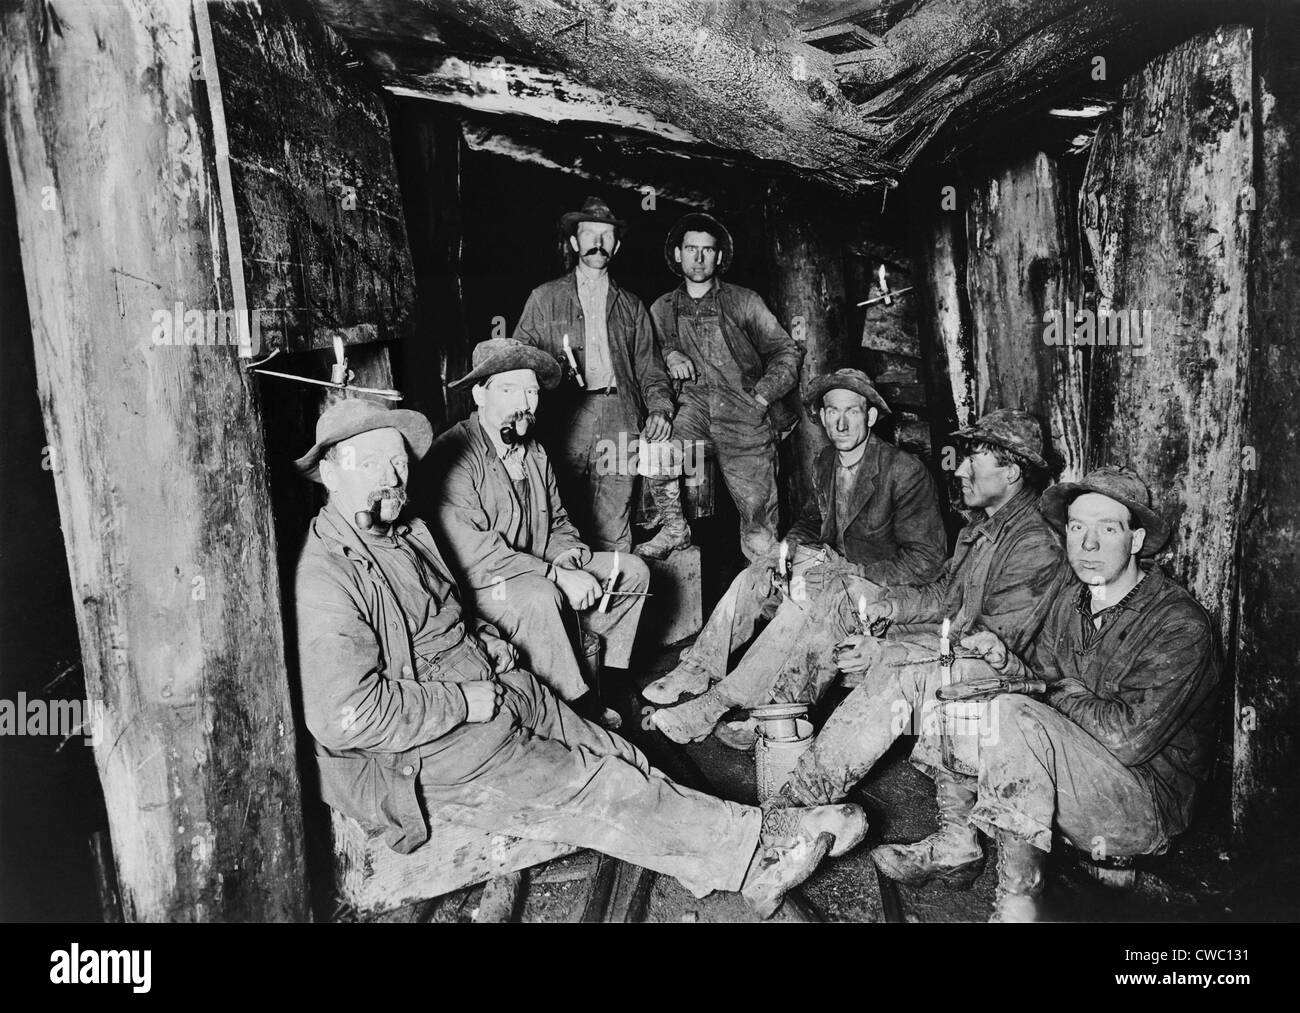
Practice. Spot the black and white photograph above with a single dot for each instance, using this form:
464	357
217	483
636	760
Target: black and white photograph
650	461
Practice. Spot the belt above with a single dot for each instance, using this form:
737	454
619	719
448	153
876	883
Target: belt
602	392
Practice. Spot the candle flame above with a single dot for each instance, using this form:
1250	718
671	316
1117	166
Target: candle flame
616	560
862	607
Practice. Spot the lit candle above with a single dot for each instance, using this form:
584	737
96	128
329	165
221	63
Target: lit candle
609	585
943	638
862	612
568	352
785	557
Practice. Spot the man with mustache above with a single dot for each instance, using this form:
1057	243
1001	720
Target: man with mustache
735	363
413	709
509	539
873	518
1116	752
615	388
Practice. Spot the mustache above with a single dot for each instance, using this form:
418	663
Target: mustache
383	504
514	429
595	250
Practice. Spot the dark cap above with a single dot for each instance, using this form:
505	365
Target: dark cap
698	221
500	355
1016	430
1119	484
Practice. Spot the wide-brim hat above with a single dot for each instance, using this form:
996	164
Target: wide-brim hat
698	221
842	379
500	355
354	416
1118	484
593	210
1016	430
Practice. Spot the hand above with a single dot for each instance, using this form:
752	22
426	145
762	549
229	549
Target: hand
857	653
987	645
657	427
501	653
680	366
580	588
483	700
760	402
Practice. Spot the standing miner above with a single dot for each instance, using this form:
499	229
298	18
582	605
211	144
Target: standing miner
615	388
735	362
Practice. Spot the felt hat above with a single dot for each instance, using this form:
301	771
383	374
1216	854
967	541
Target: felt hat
698	221
353	416
1118	484
1016	430
842	379
500	355
593	210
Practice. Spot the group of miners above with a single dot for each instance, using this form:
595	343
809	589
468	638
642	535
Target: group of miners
451	667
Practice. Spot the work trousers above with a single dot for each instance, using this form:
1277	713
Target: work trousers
532	613
728	425
595	465
538	771
1040	767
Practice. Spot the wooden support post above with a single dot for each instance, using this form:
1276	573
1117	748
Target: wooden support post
1170	242
806	268
1266	715
1019	273
159	465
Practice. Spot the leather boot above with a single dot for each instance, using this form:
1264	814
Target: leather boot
685	678
776	868
693	720
674	533
846	823
952	854
1021	876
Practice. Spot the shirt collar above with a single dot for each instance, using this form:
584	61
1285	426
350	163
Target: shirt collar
992	527
591	280
342	538
1134	599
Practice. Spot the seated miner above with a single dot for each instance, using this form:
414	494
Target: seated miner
873	517
1112	756
413	710
509	539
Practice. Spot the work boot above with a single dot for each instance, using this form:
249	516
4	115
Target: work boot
693	720
685	678
674	533
847	823
738	734
952	854
1021	868
776	868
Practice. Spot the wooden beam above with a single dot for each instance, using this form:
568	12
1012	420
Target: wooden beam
1019	241
1266	715
732	74
1163	215
160	475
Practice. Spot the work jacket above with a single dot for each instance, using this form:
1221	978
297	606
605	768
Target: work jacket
1144	685
366	707
1001	577
480	521
894	534
768	357
554	310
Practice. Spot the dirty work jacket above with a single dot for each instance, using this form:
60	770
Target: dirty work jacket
1145	687
480	521
554	310
363	703
768	357
895	534
1000	578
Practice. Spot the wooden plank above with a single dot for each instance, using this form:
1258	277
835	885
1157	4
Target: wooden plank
500	900
1019	241
161	475
373	878
1266	715
1169	237
320	214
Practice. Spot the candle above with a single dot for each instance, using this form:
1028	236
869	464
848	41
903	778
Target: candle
785	556
568	352
862	612
943	638
609	585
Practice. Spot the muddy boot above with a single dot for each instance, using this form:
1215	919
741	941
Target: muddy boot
1021	868
685	678
674	533
951	855
776	868
738	734
847	823
693	720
